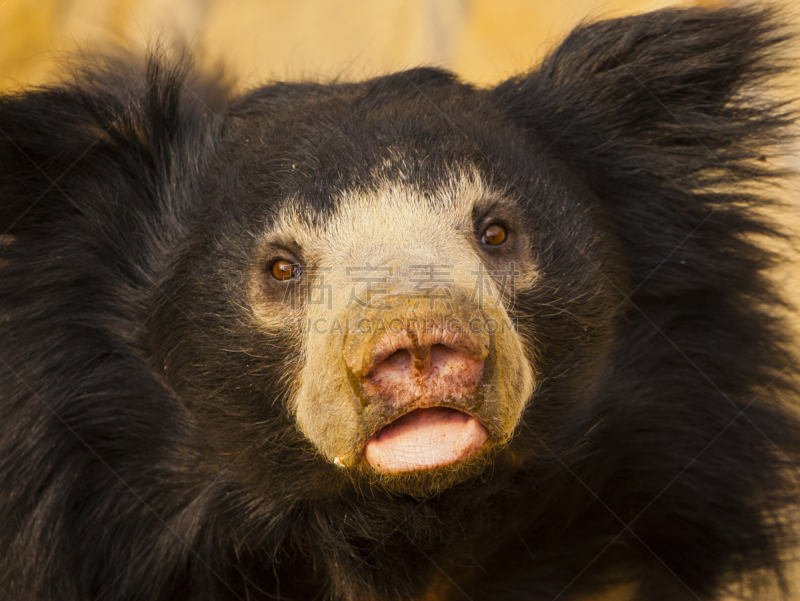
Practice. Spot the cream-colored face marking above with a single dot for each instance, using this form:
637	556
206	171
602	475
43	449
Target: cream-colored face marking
382	260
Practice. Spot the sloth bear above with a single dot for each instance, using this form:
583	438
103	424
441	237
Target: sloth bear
405	338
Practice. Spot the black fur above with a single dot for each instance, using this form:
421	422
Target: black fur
145	448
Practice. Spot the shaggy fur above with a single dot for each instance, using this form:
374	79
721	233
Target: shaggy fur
148	447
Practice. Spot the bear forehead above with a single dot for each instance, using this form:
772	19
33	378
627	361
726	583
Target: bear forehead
319	144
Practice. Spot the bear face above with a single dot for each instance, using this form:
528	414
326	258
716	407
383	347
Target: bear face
404	338
399	305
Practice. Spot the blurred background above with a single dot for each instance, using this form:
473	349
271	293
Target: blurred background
483	41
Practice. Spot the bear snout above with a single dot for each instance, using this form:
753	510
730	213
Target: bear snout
423	368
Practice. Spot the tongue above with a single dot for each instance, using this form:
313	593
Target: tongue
424	439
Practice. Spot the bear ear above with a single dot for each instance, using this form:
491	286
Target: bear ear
72	149
669	91
666	119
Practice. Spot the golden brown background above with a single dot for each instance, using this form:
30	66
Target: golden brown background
483	41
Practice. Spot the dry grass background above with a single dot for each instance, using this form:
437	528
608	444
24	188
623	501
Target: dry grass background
483	41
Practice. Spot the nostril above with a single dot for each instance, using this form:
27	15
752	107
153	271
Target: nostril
399	360
395	367
439	351
446	361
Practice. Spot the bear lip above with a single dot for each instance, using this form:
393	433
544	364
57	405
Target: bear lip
424	439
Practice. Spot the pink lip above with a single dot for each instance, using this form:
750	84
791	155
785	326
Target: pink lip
425	439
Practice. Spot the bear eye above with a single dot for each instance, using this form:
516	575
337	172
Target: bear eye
494	235
283	270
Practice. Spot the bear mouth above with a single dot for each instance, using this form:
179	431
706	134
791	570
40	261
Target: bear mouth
425	439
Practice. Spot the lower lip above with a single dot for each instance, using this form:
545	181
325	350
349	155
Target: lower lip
425	439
